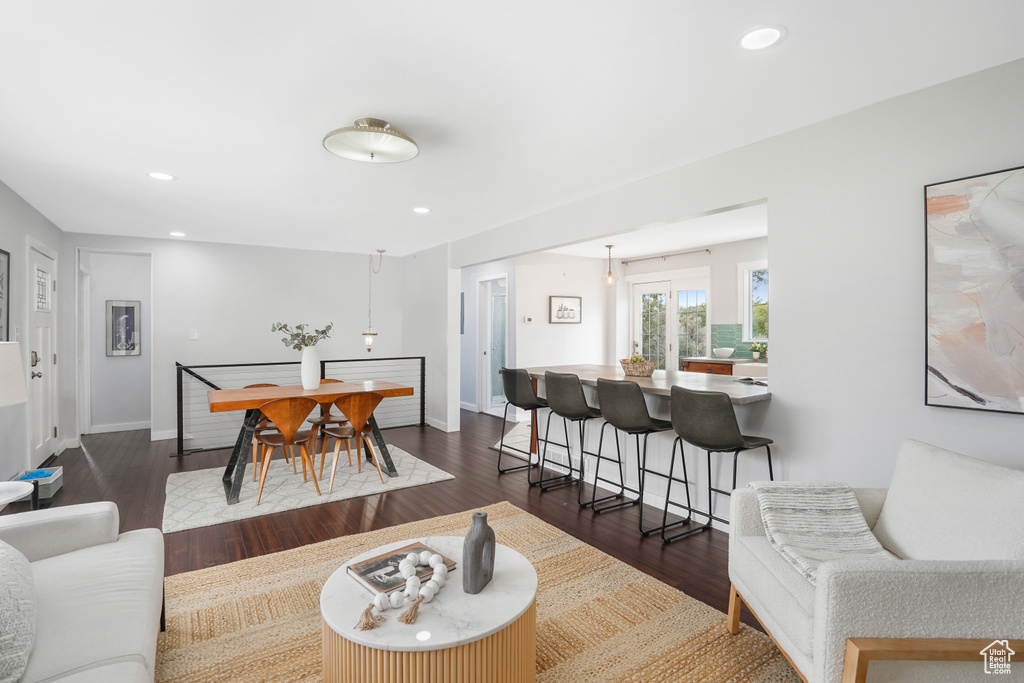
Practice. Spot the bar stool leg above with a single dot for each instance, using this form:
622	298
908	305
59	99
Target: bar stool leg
594	500
579	487
771	476
560	479
689	504
501	446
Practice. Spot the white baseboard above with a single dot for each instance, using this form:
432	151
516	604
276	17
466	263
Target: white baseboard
437	424
120	427
471	407
163	434
69	443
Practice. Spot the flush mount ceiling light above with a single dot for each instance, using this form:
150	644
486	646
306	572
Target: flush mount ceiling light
421	209
760	37
157	175
610	278
371	140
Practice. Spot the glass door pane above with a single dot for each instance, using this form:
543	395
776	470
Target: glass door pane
692	330
497	345
650	321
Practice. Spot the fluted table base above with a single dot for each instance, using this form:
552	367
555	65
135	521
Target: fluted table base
507	656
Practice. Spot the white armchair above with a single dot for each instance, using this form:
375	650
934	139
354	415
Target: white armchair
97	593
956	525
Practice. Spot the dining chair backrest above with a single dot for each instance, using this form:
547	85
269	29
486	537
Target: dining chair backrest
358	407
623	406
705	419
518	389
565	396
288	414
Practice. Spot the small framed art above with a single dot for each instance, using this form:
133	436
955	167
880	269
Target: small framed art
123	328
563	310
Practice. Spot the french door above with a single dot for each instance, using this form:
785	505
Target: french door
670	318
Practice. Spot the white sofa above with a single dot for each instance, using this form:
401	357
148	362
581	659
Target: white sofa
98	594
956	526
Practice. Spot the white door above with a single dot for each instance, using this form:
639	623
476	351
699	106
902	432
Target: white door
42	344
493	337
670	319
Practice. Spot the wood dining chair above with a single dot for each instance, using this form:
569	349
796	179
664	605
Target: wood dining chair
287	414
263	425
325	418
358	407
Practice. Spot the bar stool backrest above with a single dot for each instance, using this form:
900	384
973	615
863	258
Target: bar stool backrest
519	389
358	407
705	419
622	404
565	395
288	414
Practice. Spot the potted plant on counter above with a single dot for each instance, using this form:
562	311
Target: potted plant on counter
757	348
637	365
301	340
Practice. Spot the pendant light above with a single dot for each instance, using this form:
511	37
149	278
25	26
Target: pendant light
370	333
610	279
372	140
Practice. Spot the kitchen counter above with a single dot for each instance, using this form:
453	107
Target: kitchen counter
661	383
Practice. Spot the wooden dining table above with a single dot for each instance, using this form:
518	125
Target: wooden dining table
250	400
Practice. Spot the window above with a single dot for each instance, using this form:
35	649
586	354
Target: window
693	322
754	293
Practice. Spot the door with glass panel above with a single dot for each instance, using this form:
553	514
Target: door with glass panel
670	320
493	340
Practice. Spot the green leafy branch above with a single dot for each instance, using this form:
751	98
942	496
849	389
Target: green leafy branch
298	338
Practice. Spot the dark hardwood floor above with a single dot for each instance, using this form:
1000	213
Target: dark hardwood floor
131	470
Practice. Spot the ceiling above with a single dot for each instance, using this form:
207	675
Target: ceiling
517	107
704	231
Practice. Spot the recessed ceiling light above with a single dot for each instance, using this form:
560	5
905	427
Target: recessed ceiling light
157	175
421	209
760	37
177	234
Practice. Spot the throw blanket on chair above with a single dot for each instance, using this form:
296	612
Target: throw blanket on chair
810	523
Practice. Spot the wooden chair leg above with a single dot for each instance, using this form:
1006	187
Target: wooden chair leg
267	457
334	463
375	462
323	457
255	456
348	449
732	623
312	470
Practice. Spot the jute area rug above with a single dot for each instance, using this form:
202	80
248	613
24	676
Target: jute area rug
196	499
598	619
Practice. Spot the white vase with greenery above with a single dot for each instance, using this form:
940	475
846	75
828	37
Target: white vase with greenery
300	340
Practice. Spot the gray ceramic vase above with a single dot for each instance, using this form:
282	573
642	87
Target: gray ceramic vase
478	555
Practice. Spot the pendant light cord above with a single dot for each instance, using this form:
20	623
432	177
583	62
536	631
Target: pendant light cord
369	287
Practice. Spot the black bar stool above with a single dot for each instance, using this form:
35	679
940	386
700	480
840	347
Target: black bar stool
566	399
707	420
519	392
623	407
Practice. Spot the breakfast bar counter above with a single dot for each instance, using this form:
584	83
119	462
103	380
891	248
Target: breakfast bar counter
662	381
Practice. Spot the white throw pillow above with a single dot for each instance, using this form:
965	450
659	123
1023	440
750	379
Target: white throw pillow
945	506
17	613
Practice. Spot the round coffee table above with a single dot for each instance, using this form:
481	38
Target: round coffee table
457	638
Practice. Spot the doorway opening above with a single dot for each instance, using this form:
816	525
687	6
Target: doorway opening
492	300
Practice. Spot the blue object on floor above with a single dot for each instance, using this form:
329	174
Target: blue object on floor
35	474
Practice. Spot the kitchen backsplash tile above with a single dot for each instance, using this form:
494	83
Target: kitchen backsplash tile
730	336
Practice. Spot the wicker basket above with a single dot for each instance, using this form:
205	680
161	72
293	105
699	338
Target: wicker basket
643	369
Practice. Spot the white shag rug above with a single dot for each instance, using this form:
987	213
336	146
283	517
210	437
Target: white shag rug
196	499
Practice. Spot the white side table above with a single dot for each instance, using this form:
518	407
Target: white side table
11	491
457	638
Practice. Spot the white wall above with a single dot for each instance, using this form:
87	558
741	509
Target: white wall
19	221
469	341
846	241
120	384
231	295
539	276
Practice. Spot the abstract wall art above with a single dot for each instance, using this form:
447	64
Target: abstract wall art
123	328
974	272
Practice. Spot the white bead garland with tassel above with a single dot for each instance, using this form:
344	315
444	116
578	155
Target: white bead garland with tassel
416	590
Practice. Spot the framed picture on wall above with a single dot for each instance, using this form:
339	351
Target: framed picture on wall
5	295
565	310
974	285
123	328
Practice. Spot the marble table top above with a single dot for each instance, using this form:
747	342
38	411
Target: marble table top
11	491
451	619
661	383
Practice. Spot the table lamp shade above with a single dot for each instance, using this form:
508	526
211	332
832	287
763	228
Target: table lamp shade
12	375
